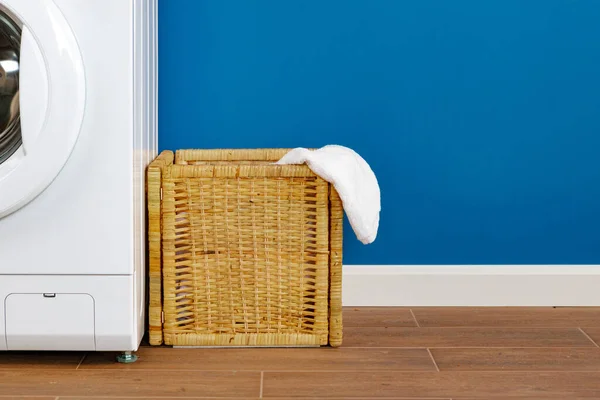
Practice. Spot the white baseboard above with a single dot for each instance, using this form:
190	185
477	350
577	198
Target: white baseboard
440	285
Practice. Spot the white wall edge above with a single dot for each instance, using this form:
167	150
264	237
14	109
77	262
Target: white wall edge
471	285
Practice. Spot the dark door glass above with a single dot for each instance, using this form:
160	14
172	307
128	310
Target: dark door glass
10	119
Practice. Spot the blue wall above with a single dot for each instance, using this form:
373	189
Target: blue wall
481	118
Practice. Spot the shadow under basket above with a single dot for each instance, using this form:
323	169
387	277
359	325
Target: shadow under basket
243	252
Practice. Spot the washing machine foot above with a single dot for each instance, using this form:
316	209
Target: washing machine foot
127	357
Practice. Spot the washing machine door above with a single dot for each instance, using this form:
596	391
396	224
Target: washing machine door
42	98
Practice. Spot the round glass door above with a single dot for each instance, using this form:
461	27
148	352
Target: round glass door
42	98
10	124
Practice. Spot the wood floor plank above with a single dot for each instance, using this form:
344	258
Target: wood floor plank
234	398
25	398
593	334
515	359
40	360
563	317
182	397
553	385
378	317
465	337
527	354
130	383
522	398
325	359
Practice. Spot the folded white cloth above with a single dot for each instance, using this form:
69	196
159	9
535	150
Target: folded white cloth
353	179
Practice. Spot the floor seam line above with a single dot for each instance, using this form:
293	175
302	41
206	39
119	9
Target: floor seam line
262	381
588	336
415	318
81	361
437	368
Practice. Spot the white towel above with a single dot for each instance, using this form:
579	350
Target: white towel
353	179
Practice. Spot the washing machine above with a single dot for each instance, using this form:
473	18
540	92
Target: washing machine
78	126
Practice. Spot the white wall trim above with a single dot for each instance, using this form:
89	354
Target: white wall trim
476	285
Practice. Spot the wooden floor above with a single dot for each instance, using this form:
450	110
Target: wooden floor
394	353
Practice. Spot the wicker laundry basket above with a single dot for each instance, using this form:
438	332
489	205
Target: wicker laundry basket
242	252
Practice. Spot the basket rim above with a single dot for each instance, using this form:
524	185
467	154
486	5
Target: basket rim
183	156
235	163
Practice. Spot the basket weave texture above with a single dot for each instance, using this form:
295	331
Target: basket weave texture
243	252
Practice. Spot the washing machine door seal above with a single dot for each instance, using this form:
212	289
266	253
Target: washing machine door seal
51	100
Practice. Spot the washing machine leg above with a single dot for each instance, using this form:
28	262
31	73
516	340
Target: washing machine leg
127	357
